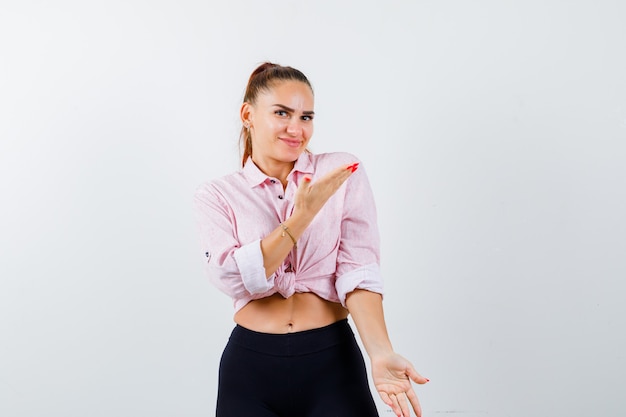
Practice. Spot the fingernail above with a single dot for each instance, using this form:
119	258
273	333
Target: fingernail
427	380
307	179
354	168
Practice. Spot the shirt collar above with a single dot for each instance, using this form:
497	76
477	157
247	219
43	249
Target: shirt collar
254	176
304	164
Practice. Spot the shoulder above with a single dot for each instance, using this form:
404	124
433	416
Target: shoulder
217	187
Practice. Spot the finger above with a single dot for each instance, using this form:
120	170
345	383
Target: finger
305	183
415	403
335	178
395	406
415	376
391	401
385	397
344	170
403	403
353	167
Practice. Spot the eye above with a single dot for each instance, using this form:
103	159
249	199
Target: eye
281	113
307	118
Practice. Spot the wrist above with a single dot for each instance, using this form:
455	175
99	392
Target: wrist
298	222
379	350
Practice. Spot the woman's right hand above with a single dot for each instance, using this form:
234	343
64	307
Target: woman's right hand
309	199
310	196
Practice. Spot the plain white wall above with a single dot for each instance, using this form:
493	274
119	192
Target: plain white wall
493	133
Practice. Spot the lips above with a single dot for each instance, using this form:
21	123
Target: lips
293	143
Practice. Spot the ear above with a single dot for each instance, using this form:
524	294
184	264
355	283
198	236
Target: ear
245	113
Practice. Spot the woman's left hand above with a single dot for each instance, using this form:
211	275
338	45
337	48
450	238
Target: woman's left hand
392	375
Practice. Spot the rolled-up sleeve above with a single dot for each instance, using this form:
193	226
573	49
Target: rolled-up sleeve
358	258
235	269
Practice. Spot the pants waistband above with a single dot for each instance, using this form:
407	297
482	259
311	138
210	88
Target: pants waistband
293	344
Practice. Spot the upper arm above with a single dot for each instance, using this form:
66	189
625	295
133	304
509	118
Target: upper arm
358	258
232	267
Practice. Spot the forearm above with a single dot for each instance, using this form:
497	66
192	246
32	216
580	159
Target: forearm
309	200
275	247
366	309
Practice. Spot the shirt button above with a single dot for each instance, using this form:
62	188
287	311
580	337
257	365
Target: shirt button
273	181
280	197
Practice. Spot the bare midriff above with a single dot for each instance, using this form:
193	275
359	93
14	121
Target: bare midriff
278	315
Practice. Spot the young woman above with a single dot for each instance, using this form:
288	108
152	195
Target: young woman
292	238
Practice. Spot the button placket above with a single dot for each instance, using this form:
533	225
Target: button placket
289	197
274	182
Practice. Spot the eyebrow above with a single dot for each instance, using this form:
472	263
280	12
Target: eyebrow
289	109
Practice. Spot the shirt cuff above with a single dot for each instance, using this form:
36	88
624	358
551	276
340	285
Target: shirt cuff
366	277
249	260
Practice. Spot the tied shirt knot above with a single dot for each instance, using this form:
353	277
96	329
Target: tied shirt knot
286	284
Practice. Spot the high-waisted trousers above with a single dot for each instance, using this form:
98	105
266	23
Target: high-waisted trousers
313	373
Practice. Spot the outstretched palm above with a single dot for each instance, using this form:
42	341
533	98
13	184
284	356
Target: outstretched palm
392	375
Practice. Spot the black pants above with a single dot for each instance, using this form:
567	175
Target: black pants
314	373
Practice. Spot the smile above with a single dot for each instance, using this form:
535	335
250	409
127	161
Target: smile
294	143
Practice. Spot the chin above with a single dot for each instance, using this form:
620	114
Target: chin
292	156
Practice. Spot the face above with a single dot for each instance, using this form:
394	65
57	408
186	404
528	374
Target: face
281	124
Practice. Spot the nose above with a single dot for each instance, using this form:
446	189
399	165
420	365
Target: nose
294	127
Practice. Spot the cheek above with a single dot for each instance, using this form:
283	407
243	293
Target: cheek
276	125
267	128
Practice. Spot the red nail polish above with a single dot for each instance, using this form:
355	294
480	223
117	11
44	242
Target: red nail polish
354	168
307	179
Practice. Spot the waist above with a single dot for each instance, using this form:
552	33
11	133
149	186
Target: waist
293	344
300	312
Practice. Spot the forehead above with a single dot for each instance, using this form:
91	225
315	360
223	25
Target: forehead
290	93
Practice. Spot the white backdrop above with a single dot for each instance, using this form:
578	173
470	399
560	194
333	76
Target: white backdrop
493	133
